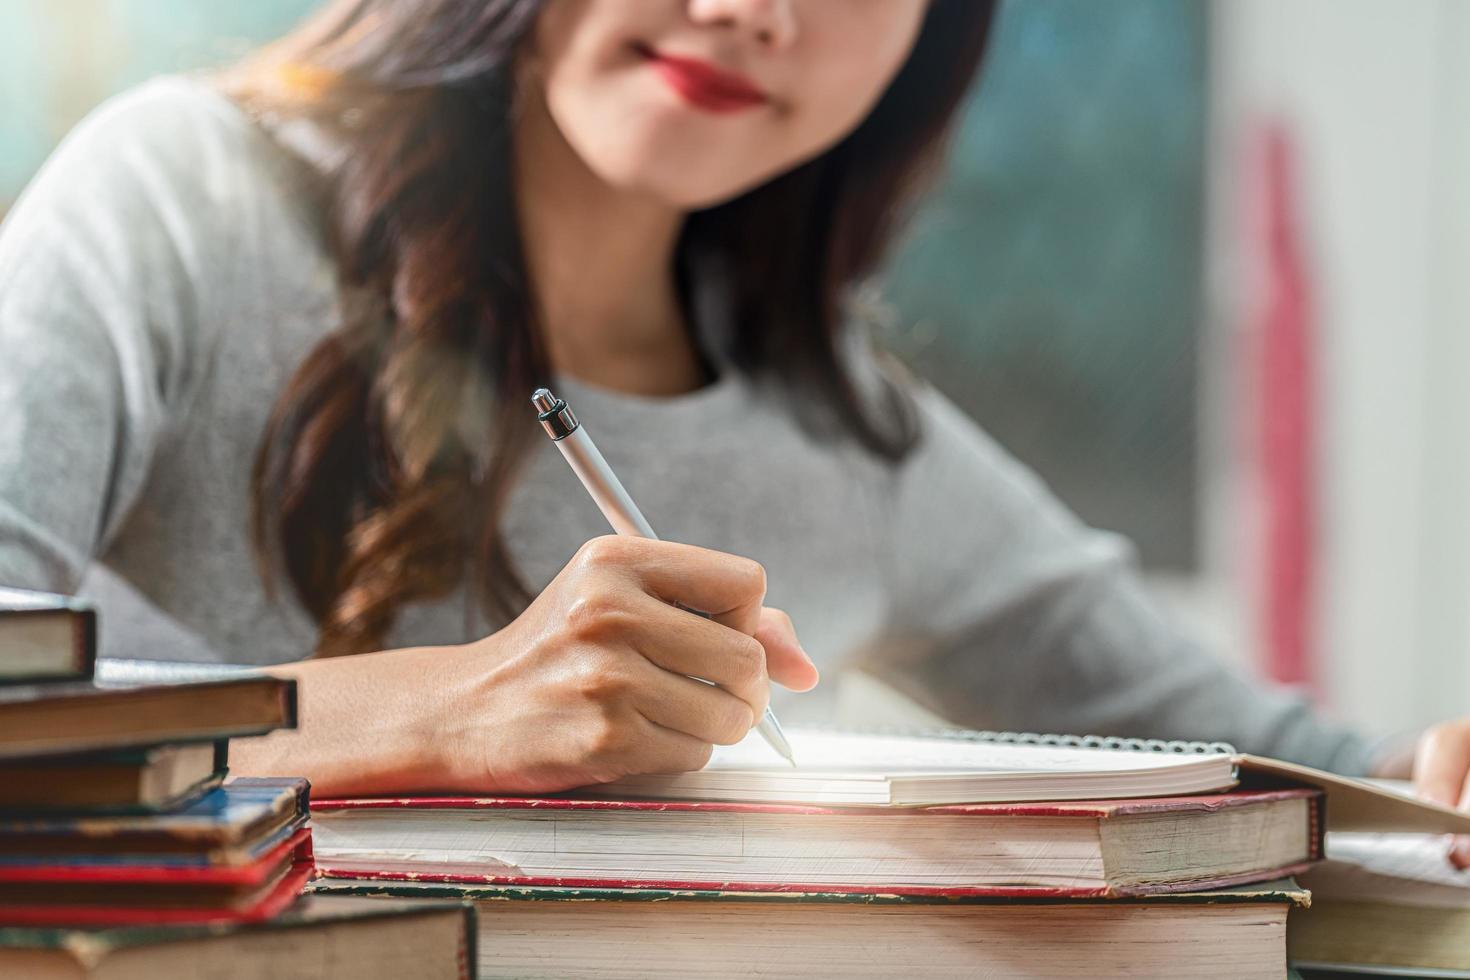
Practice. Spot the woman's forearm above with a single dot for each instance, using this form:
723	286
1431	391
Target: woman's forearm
364	725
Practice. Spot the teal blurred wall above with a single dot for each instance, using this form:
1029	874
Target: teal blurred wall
1052	287
58	58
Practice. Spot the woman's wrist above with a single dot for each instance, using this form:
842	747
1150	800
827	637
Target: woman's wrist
1392	756
402	701
365	724
433	689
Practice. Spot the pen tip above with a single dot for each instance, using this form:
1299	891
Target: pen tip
543	399
770	730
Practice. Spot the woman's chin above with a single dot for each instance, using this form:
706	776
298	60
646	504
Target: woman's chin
681	183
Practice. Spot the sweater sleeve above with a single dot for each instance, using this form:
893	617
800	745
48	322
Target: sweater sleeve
100	316
1016	616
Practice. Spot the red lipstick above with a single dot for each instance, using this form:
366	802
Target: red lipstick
703	85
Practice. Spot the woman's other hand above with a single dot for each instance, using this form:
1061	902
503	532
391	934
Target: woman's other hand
1441	767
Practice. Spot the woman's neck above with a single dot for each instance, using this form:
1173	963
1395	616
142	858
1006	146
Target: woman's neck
601	268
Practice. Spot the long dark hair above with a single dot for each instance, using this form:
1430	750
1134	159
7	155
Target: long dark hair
389	457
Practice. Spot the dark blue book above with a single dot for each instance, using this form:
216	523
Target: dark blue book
231	825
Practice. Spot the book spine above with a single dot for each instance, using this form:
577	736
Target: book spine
328	873
101	871
1273	892
279	899
289	705
1317	827
224	816
84	622
1081	809
469	962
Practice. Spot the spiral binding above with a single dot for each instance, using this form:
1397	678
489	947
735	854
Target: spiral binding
1060	741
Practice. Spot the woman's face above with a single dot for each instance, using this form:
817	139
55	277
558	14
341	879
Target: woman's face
695	101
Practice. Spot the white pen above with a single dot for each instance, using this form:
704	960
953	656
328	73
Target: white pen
607	492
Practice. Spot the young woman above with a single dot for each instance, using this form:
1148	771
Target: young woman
269	341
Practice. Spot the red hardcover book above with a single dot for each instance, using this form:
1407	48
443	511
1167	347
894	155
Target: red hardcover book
1106	848
136	894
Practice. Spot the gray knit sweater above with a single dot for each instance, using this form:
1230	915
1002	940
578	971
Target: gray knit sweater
161	278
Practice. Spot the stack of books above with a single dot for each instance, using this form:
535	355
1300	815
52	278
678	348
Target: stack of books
125	850
972	854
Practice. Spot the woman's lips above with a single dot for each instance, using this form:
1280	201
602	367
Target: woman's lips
703	85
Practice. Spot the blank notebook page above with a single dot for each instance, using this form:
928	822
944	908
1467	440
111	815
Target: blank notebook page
1393	869
837	768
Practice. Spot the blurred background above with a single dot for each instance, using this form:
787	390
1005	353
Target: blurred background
1204	265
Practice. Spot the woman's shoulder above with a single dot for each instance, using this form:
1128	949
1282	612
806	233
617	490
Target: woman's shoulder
174	112
171	178
149	225
174	143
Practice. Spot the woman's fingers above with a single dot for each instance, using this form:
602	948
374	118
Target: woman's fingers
682	642
700	710
786	662
607	672
633	596
1441	768
666	750
730	589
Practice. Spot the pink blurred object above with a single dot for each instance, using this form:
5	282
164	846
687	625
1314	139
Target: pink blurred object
1285	414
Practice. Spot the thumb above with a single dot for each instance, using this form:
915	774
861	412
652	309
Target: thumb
786	662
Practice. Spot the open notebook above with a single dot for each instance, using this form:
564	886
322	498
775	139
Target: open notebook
918	770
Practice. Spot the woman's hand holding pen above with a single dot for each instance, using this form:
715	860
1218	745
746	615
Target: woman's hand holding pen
594	680
590	683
